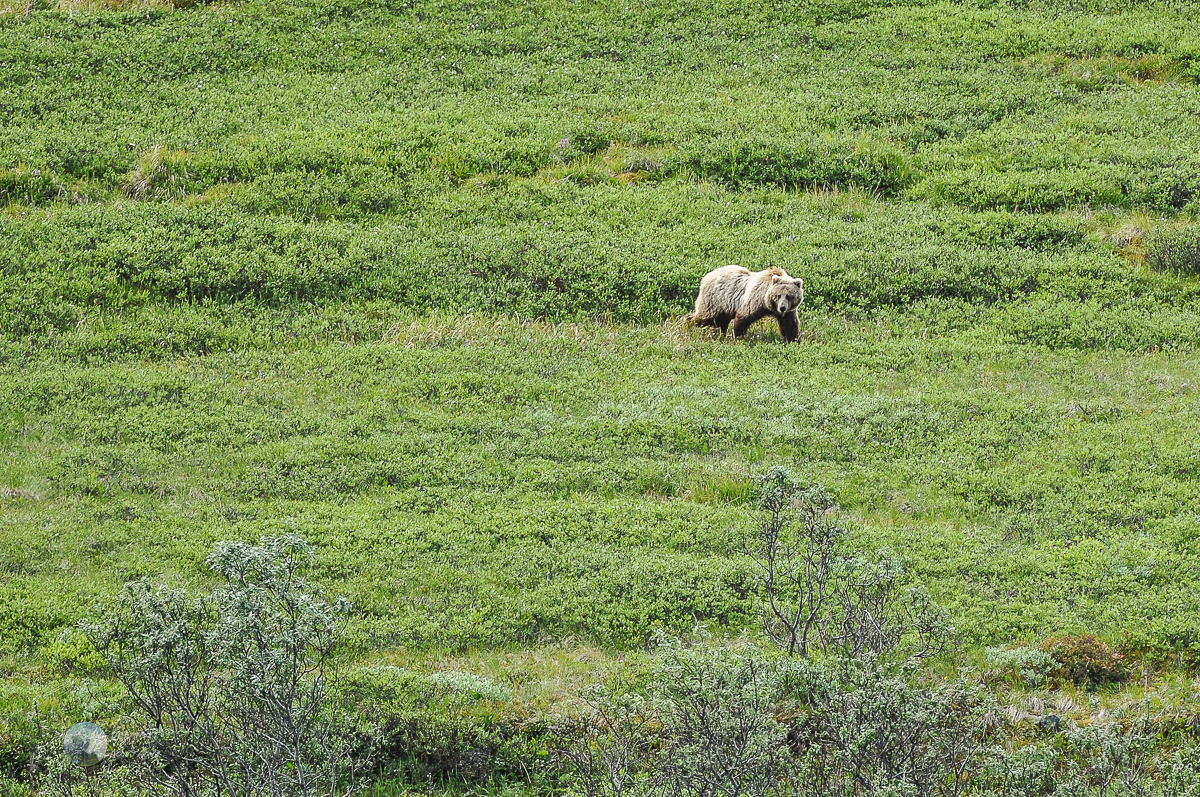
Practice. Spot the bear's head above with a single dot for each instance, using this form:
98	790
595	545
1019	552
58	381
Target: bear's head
785	293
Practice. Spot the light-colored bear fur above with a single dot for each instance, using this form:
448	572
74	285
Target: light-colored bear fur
734	293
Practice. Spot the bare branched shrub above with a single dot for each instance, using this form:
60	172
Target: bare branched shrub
814	594
612	755
796	550
874	614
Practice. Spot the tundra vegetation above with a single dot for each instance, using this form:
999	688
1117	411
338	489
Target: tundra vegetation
382	301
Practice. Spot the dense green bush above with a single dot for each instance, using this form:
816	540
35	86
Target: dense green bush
1175	251
444	728
29	186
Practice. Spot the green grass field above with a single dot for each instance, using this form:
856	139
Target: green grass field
408	279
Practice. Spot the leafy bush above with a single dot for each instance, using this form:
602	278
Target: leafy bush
1090	325
1026	666
726	720
351	192
26	623
706	727
234	685
465	685
720	733
1181	772
878	732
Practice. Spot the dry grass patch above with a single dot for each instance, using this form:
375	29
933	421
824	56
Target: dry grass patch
1148	242
17	494
98	6
1125	232
1097	74
17	8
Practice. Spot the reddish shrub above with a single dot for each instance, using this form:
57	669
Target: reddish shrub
1085	660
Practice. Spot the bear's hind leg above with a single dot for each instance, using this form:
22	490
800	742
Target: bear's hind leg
720	321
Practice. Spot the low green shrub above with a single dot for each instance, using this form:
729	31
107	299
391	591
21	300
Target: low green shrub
19	736
1020	665
25	185
74	653
1091	325
422	729
350	192
28	621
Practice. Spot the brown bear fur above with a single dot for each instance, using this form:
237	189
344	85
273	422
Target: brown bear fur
734	293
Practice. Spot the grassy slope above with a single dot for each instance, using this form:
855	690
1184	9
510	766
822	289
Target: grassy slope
242	240
1035	492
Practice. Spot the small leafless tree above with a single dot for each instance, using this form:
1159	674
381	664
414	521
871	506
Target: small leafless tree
816	595
874	614
795	548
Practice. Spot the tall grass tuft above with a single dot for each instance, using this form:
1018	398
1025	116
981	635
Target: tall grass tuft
160	173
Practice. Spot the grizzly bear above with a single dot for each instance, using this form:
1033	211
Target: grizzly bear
733	293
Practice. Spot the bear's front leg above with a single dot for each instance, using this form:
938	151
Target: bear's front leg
789	327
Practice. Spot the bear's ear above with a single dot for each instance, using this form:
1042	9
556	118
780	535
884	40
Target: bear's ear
775	279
